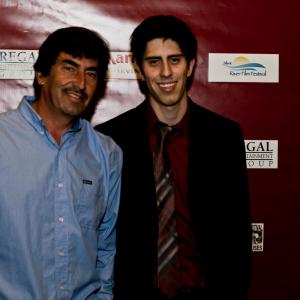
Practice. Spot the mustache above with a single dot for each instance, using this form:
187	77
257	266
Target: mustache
76	90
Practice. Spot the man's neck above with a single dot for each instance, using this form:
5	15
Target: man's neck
170	115
56	125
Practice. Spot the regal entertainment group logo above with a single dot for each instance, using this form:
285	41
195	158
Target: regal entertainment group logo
17	64
261	154
257	237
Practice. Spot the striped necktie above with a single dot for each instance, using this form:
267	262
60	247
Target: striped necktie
167	275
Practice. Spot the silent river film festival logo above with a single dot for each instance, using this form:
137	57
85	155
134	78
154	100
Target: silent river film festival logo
242	66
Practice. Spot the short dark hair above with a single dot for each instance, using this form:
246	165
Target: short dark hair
166	27
78	42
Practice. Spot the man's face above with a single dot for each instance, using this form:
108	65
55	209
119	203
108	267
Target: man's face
70	86
165	71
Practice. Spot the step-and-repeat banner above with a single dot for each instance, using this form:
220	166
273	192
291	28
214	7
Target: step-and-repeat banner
247	69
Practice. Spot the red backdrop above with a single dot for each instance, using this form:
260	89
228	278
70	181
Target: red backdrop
266	111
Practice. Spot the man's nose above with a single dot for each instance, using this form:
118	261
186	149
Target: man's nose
79	80
166	69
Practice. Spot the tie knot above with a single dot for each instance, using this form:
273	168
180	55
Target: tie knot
164	132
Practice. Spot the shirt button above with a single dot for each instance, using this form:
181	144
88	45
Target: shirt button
61	287
61	219
60	184
61	253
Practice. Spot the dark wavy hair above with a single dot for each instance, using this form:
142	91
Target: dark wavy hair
166	27
78	42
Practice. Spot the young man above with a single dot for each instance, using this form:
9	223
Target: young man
208	254
60	179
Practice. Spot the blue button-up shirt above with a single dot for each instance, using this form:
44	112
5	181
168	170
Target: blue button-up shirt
58	208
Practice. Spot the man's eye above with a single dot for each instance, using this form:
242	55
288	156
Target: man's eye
69	68
92	74
175	60
153	62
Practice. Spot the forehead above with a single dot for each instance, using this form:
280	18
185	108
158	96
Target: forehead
87	62
162	47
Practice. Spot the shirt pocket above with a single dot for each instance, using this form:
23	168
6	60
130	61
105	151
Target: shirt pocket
89	205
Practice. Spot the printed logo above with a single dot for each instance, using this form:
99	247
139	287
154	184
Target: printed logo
17	64
122	66
86	181
243	67
261	154
257	237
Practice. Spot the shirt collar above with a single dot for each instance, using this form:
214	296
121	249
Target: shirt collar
153	121
32	117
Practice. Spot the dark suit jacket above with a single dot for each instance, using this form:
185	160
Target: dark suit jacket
218	202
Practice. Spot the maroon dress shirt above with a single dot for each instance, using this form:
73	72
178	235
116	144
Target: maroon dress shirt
190	275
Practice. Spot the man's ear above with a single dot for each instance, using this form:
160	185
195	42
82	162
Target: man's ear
138	71
141	73
40	78
191	67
